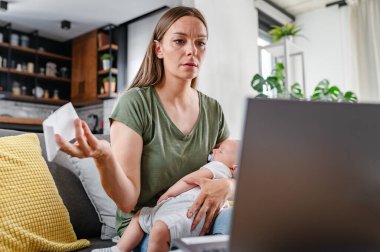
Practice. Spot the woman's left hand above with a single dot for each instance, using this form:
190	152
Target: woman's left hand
214	193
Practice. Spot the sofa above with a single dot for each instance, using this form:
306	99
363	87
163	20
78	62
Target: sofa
83	216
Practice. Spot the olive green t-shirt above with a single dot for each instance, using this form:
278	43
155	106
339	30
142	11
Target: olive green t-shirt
167	153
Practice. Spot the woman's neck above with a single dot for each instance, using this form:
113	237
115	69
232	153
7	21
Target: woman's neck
174	89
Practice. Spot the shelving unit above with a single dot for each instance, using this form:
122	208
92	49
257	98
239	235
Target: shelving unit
106	45
287	53
108	71
26	65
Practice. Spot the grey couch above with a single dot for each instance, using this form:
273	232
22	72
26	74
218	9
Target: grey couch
83	216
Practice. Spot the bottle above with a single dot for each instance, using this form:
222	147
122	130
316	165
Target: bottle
23	90
16	88
46	94
30	67
55	94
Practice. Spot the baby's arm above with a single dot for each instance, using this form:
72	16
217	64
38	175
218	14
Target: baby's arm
181	186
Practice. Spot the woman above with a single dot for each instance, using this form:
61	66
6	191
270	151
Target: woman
162	128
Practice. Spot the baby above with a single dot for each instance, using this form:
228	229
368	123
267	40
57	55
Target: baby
169	215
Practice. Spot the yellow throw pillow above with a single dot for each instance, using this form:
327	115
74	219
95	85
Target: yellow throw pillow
32	214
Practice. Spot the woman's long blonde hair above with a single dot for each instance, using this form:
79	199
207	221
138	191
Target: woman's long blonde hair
152	68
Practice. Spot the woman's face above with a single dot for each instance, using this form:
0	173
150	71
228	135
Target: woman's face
183	48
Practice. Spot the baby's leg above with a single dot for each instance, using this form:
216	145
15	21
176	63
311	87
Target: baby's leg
132	235
159	237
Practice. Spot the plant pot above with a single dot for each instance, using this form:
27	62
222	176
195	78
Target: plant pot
287	38
106	64
106	86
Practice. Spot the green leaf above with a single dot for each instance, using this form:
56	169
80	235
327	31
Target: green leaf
261	96
350	97
274	83
316	97
296	91
257	83
277	32
334	93
279	66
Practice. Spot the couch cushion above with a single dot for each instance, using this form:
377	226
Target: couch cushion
33	216
82	213
83	216
106	209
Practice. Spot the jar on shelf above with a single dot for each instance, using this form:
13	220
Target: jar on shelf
23	90
64	72
56	94
14	39
16	90
30	67
24	41
46	94
51	69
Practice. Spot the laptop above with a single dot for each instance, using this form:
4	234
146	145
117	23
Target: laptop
309	179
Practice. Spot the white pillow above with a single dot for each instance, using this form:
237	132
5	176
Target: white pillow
88	174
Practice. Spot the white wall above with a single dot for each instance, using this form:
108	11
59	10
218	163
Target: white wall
231	59
139	34
327	47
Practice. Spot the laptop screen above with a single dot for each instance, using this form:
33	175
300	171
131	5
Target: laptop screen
309	176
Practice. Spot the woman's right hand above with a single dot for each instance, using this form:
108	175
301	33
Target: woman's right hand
86	145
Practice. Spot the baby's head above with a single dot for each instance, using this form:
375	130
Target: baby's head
227	153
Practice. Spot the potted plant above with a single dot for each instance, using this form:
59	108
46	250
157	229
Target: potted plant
106	61
107	84
287	30
323	92
274	87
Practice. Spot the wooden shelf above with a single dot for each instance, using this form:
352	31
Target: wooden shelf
53	55
107	96
23	73
113	47
34	75
3	44
112	70
22	49
81	103
34	51
40	76
30	98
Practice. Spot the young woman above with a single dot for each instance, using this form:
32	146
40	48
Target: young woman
162	128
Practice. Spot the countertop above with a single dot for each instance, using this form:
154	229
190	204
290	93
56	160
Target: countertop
20	123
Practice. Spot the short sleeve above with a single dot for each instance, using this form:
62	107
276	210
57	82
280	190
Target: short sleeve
223	132
131	110
218	170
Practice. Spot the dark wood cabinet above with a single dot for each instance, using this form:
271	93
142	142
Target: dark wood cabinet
84	68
